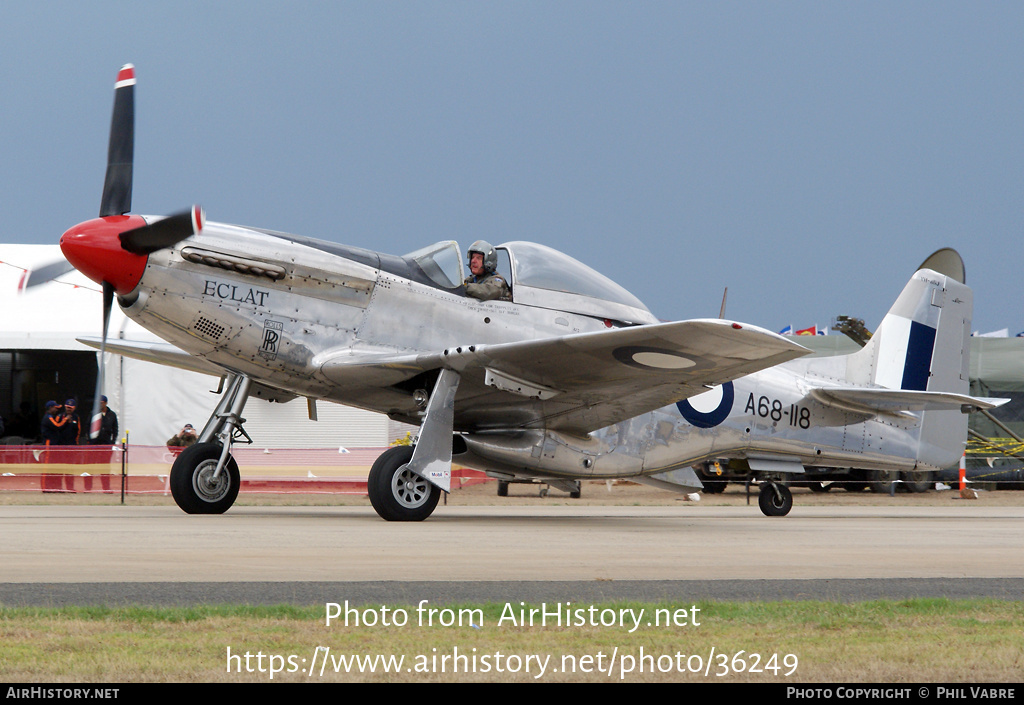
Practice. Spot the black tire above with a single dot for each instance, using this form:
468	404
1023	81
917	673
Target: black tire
714	486
576	493
775	500
192	487
397	493
855	486
881	481
918	481
502	488
819	487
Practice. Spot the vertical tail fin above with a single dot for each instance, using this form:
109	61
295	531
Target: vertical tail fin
923	344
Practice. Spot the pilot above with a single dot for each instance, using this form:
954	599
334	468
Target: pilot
483	282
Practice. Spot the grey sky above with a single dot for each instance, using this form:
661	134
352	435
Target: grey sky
808	155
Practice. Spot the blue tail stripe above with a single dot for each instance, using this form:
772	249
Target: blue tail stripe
918	365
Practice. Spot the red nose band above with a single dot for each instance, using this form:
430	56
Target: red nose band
95	250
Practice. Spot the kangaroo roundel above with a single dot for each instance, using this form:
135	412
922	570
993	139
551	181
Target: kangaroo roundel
709	409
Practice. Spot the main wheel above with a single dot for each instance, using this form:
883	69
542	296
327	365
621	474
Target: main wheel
882	481
193	485
396	492
918	480
775	499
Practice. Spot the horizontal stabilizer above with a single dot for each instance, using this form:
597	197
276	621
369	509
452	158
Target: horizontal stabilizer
893	401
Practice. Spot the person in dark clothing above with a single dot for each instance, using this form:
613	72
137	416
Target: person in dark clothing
71	431
52	424
183	438
108	425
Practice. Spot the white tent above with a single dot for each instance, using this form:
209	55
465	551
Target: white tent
39	351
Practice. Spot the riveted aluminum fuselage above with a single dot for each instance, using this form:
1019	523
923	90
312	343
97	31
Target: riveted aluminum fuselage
270	307
203	297
767	416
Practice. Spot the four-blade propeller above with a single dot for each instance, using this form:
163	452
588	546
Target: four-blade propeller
112	249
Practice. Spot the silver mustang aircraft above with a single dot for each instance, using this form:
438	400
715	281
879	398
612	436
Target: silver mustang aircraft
572	379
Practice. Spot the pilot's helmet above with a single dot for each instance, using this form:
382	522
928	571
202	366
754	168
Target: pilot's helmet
490	256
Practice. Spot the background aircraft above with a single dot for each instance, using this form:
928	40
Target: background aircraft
574	378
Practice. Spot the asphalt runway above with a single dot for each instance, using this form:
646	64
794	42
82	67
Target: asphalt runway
117	555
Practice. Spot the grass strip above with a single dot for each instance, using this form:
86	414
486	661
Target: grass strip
886	641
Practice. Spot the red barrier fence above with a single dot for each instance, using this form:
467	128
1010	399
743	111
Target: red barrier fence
146	469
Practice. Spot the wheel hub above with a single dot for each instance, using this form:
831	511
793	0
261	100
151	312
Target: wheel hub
206	486
410	489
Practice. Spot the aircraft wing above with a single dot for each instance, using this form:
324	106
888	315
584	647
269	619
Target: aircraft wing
172	356
581	382
158	352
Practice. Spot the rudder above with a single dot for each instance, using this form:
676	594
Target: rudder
923	344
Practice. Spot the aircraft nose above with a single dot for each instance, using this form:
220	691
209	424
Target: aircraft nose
94	249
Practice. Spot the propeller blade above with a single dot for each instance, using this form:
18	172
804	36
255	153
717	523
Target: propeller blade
41	275
721	311
117	186
97	418
163	233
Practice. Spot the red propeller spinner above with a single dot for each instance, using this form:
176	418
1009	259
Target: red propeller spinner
94	248
115	249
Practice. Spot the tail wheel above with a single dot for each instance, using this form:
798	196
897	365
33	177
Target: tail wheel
713	486
396	492
775	499
712	481
195	488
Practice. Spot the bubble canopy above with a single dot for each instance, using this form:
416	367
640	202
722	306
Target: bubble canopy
539	276
545	277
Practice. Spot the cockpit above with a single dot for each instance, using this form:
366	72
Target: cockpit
538	276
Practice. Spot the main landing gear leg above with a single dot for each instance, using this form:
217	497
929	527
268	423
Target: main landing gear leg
405	483
204	478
